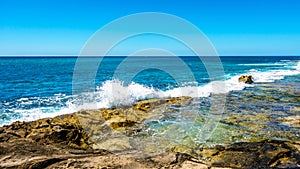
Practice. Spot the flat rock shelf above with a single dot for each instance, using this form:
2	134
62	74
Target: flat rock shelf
104	138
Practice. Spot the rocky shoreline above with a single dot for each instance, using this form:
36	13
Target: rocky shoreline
101	139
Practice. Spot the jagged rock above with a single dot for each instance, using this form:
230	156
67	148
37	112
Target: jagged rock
147	105
24	153
64	129
246	79
264	154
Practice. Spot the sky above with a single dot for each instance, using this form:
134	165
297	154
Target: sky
234	27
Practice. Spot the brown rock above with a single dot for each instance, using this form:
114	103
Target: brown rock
246	79
265	154
64	129
98	122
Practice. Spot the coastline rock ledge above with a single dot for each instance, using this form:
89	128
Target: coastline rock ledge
66	142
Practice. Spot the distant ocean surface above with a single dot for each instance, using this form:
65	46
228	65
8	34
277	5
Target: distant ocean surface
38	87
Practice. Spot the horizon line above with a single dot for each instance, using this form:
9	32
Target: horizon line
149	56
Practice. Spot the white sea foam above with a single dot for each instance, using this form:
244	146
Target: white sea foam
263	64
115	93
215	87
39	113
32	108
274	75
297	67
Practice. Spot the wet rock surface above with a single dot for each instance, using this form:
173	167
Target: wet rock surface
101	139
271	112
246	79
264	154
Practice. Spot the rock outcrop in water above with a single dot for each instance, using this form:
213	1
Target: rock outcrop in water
246	79
69	141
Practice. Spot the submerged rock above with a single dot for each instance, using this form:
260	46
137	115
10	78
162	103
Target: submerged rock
246	79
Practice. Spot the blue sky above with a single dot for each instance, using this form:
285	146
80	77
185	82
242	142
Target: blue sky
235	27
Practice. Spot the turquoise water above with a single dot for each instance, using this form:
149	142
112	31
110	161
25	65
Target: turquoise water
33	88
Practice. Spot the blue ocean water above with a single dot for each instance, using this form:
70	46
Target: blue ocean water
37	87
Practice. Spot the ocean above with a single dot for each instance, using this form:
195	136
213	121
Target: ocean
39	87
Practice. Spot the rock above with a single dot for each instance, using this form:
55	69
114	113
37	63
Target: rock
114	144
246	79
292	121
64	129
265	154
148	105
24	153
163	160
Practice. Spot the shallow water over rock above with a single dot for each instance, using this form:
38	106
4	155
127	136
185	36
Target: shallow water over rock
265	111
